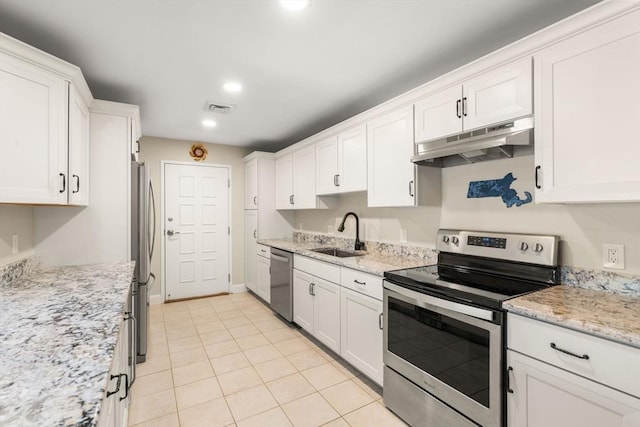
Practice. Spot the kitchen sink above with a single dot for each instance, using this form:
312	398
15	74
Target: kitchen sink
340	253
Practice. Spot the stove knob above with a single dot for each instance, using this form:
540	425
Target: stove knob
538	247
455	240
445	239
524	246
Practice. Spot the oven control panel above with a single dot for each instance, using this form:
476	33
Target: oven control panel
530	248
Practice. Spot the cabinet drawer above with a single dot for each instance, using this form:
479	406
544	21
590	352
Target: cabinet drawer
609	363
264	250
364	283
324	270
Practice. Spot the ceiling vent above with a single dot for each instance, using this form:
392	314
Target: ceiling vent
218	108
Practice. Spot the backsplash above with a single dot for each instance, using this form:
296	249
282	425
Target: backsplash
17	269
386	249
607	281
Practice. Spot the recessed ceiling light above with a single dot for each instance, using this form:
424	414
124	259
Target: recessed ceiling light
208	123
233	87
294	4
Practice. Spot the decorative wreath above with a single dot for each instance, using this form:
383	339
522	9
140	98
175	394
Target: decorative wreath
198	152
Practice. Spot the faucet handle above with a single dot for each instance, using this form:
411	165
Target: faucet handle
360	246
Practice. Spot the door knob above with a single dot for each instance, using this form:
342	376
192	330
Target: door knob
171	232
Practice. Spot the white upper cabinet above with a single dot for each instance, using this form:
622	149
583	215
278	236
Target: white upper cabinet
304	178
296	181
341	162
284	182
495	96
391	175
251	184
588	115
33	135
44	128
79	119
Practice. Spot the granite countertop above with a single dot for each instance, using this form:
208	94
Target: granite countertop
611	316
375	263
58	328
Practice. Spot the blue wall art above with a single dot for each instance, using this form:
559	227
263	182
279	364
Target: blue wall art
498	188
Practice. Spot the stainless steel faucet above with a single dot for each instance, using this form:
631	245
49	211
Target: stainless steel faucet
359	246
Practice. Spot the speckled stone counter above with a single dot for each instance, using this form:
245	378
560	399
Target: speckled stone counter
607	315
377	259
58	332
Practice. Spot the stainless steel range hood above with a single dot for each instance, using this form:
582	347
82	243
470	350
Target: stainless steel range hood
495	142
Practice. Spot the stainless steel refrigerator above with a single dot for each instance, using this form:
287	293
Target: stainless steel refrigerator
143	214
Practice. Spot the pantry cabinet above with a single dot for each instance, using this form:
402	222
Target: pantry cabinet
341	162
44	135
495	96
587	115
391	175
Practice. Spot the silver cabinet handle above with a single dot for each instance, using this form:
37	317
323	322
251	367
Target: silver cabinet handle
561	350
464	106
312	286
171	232
411	192
291	199
380	321
255	234
77	183
336	180
255	200
359	282
64	182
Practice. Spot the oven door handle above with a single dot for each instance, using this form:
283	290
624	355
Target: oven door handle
430	302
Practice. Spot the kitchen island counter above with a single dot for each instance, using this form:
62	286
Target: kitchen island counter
59	327
606	315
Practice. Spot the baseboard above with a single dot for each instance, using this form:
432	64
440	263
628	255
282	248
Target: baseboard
156	299
237	288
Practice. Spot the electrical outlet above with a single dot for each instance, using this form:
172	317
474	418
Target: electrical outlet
613	256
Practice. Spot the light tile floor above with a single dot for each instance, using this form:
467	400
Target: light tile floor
229	361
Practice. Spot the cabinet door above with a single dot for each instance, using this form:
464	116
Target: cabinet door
361	333
78	149
263	280
251	184
544	396
352	160
391	175
499	95
304	178
327	313
303	300
439	115
284	182
250	248
327	166
33	135
587	110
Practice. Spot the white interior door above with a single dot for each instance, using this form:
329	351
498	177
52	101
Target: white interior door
196	230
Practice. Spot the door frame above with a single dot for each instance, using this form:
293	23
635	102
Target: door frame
162	219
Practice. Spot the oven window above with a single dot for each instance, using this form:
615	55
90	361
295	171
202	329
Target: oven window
454	352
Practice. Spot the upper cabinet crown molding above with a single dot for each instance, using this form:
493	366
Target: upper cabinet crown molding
69	72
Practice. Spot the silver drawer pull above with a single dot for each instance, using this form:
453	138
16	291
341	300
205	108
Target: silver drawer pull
555	347
359	282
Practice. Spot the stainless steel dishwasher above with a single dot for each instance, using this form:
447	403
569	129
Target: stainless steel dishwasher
282	283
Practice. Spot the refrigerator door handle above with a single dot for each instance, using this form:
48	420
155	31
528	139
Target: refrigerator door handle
152	229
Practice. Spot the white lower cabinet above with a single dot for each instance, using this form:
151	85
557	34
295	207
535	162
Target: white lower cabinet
114	407
250	248
544	396
561	377
263	278
316	308
361	333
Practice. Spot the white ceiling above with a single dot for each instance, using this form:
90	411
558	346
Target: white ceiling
302	72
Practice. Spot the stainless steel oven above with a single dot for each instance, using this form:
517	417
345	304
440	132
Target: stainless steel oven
444	327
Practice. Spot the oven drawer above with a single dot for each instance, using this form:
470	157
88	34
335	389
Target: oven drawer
364	283
612	364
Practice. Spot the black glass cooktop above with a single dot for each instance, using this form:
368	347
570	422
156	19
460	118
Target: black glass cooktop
481	281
